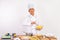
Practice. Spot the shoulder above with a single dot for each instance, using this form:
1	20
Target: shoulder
28	15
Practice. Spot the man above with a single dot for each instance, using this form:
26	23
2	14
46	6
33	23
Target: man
30	21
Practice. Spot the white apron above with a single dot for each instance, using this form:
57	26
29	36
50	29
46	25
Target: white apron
27	27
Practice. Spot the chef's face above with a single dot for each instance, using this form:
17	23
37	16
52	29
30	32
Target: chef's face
31	11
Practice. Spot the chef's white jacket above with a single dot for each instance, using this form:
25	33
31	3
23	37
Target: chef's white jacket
28	28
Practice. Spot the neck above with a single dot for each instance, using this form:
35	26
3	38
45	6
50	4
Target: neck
32	14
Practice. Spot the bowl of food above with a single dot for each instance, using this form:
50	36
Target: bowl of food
39	27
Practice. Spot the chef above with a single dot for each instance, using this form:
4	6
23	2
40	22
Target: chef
30	20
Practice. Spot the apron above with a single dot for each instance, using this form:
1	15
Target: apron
28	28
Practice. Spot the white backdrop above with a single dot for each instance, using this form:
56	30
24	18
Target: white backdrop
12	13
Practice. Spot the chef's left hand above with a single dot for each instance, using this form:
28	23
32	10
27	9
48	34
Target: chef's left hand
33	22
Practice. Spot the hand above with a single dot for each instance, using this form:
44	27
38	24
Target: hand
33	22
